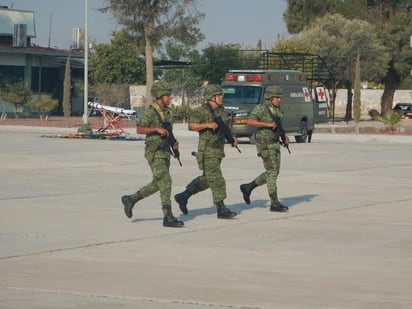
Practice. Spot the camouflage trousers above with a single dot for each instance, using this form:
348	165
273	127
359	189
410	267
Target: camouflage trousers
161	180
212	178
270	155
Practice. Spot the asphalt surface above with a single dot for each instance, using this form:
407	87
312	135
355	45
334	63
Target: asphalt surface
66	243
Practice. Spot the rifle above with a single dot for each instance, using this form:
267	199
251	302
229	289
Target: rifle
171	140
281	132
225	131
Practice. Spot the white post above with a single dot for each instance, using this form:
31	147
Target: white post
86	61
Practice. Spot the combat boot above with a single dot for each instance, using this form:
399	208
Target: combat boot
223	212
169	219
129	201
276	205
246	189
181	199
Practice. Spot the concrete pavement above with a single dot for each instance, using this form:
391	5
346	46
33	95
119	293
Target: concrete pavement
65	242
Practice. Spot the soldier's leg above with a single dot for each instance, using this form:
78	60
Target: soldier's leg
198	184
247	188
217	184
272	165
162	179
214	176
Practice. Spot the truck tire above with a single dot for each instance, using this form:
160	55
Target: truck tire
302	135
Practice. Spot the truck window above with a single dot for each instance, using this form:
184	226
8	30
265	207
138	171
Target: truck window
241	94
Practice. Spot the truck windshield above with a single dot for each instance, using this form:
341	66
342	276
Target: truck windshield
241	94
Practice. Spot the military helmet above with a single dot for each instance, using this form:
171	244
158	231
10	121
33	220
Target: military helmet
273	91
160	89
211	90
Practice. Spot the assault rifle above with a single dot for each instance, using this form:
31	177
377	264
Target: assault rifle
281	132
171	141
225	131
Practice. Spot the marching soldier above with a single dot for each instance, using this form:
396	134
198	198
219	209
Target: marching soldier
210	153
157	154
268	146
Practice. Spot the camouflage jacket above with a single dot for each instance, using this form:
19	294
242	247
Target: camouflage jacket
261	113
211	143
150	118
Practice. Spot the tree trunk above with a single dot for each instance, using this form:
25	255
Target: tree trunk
392	81
348	115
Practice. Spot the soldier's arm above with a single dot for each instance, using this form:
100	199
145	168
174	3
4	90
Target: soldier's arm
261	124
195	126
148	130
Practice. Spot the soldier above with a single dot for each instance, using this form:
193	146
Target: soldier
157	154
267	145
210	153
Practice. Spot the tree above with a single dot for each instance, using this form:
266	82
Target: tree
43	104
302	14
150	21
392	23
118	62
216	60
338	41
180	72
15	93
67	88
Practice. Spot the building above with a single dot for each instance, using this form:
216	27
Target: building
42	68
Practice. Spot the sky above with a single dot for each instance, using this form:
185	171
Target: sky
226	21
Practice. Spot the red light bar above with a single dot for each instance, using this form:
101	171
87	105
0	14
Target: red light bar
254	78
230	77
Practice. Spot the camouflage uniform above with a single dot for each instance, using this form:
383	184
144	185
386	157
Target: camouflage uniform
267	146
209	155
157	154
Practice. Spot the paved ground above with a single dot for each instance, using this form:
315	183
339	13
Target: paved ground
65	242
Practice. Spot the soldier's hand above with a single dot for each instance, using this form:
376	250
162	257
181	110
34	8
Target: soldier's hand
287	140
163	132
176	145
213	125
235	141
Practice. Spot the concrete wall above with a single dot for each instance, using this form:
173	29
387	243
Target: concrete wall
370	99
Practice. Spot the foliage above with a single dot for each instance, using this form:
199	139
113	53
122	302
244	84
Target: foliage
117	62
216	60
43	104
391	21
67	90
391	120
182	76
116	95
15	93
301	14
294	44
338	40
150	22
181	113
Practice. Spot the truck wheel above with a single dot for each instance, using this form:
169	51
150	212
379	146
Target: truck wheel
302	133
